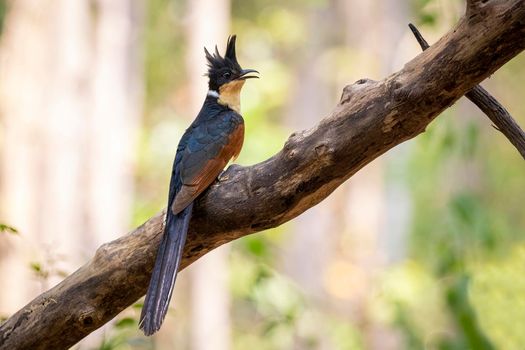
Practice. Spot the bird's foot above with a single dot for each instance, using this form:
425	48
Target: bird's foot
225	174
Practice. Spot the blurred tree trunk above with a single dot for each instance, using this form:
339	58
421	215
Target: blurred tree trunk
209	22
375	239
44	108
310	249
69	104
116	102
356	212
117	90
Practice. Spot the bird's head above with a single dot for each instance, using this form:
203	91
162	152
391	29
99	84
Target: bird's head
226	77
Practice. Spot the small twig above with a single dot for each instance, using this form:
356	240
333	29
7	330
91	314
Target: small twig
422	42
501	118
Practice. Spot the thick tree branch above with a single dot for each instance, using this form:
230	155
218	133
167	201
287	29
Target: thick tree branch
489	105
371	118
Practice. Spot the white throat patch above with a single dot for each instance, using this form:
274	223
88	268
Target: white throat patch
213	93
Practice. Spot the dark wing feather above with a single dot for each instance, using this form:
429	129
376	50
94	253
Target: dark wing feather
207	154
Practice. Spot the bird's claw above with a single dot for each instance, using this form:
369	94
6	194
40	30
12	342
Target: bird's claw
225	174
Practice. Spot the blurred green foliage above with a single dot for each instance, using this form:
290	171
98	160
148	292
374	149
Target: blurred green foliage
8	229
123	335
3	12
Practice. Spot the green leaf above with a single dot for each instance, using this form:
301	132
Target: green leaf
471	140
270	326
138	305
256	246
427	18
8	229
463	312
126	322
35	266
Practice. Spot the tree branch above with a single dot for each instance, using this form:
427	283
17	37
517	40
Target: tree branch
475	4
474	9
489	105
371	118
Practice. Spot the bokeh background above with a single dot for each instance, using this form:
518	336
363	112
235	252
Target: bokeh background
422	249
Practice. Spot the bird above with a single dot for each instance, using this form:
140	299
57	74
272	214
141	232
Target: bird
213	139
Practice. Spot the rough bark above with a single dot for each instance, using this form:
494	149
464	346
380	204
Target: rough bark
371	118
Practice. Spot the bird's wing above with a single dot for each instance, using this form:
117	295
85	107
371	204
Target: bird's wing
210	147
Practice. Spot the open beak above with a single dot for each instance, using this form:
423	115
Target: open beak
244	74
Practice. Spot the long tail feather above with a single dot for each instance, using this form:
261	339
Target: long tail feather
165	271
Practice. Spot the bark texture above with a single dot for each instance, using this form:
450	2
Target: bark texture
371	118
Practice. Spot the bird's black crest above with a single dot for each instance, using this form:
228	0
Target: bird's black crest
218	65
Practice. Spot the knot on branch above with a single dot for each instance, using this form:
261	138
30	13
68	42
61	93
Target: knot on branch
474	7
88	318
473	4
323	149
101	254
350	90
294	139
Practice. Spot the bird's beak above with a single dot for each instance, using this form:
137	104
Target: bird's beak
244	73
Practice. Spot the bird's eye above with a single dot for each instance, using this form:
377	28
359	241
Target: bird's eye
227	74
